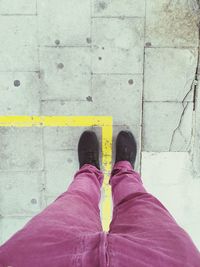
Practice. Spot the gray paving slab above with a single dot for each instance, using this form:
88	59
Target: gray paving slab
66	23
66	108
167	174
62	138
167	126
117	45
128	8
125	91
10	7
65	73
21	149
18	49
169	74
19	93
20	192
60	167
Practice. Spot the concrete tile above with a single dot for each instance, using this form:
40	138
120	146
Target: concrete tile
117	45
10	225
60	167
18	7
166	180
167	126
119	96
168	176
67	108
22	89
129	8
21	149
65	73
169	74
171	23
59	138
18	48
20	192
166	168
67	22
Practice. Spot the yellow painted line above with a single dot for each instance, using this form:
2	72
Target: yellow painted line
105	122
107	164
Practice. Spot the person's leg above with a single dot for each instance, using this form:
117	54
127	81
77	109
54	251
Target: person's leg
143	232
67	233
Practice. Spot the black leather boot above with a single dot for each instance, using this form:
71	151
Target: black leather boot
126	147
88	149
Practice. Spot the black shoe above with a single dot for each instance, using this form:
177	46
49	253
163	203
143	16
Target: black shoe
126	147
88	149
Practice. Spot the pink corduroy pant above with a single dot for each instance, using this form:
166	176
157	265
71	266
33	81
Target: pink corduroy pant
68	233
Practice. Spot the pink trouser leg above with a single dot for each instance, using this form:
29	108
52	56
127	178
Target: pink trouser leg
67	233
142	232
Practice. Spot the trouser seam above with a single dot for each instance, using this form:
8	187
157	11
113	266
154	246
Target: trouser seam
103	254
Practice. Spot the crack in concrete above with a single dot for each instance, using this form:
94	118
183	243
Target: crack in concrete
196	79
194	151
179	124
192	87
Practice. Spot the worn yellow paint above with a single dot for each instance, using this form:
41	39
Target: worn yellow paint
105	122
106	163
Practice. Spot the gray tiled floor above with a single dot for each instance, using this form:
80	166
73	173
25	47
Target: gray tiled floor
68	22
115	8
64	76
133	60
21	100
170	128
18	50
169	74
21	149
117	45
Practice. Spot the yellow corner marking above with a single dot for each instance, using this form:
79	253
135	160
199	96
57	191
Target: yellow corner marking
76	121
